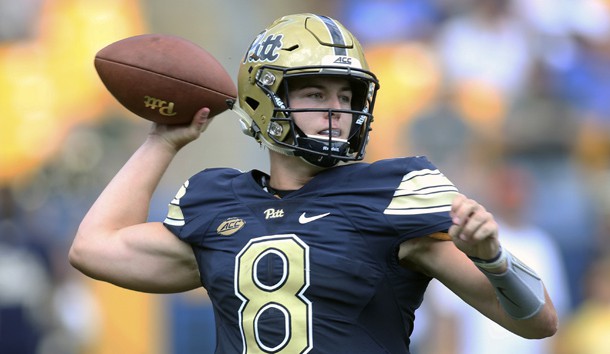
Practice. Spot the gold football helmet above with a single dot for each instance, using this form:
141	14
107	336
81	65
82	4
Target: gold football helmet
298	46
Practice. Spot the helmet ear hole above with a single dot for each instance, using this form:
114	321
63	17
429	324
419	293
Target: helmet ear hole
252	103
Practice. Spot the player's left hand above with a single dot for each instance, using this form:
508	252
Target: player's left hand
474	230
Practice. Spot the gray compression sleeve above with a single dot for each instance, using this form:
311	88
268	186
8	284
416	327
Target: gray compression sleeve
519	289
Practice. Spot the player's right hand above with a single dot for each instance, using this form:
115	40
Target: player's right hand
177	136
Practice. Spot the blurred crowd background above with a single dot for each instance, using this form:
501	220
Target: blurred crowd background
509	98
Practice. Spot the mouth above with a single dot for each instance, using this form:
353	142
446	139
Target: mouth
324	135
335	133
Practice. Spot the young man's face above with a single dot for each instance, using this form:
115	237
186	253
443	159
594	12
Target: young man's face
322	93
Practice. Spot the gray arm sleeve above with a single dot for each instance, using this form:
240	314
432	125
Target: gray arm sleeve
519	289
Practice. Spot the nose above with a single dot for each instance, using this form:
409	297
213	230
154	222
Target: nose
334	105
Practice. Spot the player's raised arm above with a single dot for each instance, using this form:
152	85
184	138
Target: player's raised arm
165	79
114	242
480	272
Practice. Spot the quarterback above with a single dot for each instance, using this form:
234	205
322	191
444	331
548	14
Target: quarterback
323	254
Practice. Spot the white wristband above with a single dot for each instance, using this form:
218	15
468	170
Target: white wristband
493	263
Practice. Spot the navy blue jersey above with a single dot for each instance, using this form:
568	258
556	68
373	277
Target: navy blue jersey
316	271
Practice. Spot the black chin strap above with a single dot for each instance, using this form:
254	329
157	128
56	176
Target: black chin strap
263	181
319	158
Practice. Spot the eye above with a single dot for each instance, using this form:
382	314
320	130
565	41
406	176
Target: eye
317	95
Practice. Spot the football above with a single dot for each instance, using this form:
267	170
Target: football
164	78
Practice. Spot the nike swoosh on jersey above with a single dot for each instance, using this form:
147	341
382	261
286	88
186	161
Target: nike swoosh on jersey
306	219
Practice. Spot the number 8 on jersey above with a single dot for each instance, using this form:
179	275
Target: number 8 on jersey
285	296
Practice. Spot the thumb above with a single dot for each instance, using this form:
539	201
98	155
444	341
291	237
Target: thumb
201	119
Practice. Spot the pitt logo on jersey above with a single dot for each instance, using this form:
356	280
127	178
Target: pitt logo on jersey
273	214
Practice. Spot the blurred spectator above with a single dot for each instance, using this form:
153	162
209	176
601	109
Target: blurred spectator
553	24
485	53
587	329
18	19
585	85
581	78
75	319
461	329
539	134
441	134
24	286
486	44
602	199
402	20
540	125
44	308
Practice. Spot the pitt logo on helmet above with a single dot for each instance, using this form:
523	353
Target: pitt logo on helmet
265	48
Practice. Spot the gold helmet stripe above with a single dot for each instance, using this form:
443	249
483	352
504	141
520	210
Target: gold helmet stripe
336	35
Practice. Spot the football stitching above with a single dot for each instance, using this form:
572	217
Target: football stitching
166	76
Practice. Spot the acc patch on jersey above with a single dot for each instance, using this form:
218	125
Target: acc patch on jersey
230	226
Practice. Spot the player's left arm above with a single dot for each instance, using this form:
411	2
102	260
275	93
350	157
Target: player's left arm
476	268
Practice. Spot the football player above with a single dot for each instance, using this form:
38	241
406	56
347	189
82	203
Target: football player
324	254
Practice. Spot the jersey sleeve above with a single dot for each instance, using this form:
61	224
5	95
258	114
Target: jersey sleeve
421	200
190	210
